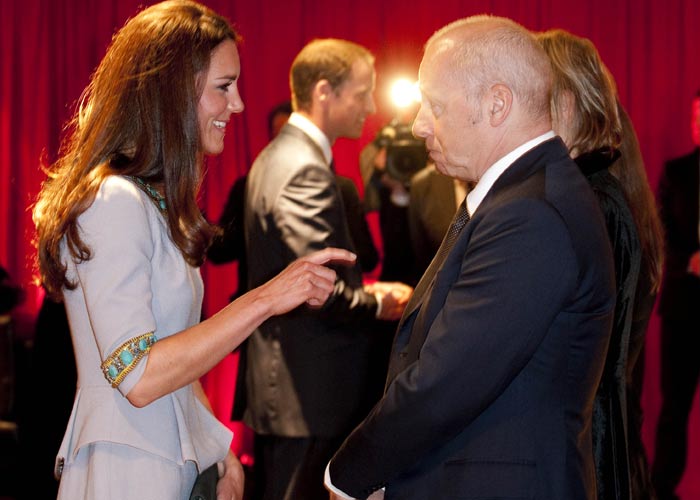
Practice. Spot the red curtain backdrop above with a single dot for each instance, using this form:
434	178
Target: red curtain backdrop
48	50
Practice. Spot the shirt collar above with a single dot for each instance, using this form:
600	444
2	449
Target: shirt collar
310	129
477	195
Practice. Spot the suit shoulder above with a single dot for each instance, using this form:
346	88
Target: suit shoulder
682	163
422	176
429	180
287	155
560	187
347	186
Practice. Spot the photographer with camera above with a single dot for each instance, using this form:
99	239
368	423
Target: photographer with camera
387	165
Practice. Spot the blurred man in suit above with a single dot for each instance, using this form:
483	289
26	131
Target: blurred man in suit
500	349
309	376
678	306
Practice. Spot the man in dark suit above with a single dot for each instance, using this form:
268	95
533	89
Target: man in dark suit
500	349
679	202
309	376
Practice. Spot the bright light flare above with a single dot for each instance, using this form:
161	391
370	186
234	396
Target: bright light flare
404	93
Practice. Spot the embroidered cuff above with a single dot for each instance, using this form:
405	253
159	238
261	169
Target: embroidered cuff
126	357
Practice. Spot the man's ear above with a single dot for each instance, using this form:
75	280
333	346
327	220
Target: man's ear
322	91
499	104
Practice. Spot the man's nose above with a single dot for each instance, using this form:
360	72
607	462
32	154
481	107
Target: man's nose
421	125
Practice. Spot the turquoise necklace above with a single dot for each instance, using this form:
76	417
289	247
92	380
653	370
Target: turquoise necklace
152	192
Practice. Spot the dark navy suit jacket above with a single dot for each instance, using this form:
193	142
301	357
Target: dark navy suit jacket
493	373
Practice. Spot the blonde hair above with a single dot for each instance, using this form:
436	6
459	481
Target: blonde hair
579	70
328	59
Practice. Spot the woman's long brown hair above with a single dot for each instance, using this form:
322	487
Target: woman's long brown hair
138	117
629	170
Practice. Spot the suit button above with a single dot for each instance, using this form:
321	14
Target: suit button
403	355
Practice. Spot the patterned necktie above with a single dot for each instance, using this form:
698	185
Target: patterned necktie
458	222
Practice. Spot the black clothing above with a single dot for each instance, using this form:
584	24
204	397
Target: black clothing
611	421
680	322
229	245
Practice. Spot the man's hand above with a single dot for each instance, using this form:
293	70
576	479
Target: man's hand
230	485
393	297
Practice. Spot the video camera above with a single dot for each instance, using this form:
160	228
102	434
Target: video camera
405	154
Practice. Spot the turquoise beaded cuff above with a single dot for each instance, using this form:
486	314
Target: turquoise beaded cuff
126	357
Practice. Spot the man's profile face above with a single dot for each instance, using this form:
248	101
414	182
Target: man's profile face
450	118
695	121
351	102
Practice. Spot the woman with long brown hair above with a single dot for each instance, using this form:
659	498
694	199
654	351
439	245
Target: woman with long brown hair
120	239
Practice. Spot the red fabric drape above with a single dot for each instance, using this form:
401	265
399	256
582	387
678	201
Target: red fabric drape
48	49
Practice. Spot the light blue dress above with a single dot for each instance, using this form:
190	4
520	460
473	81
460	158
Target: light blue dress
136	282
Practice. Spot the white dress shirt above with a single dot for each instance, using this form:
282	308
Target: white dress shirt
310	129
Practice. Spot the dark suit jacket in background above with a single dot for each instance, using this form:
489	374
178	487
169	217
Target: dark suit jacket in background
430	212
308	370
229	244
680	320
493	374
367	253
678	203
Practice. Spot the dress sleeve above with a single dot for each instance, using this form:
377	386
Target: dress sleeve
116	280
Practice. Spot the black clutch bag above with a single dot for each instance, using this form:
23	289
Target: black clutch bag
205	486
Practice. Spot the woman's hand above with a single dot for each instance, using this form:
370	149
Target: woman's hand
306	280
230	485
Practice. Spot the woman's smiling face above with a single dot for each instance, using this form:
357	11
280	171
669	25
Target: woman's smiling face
220	97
